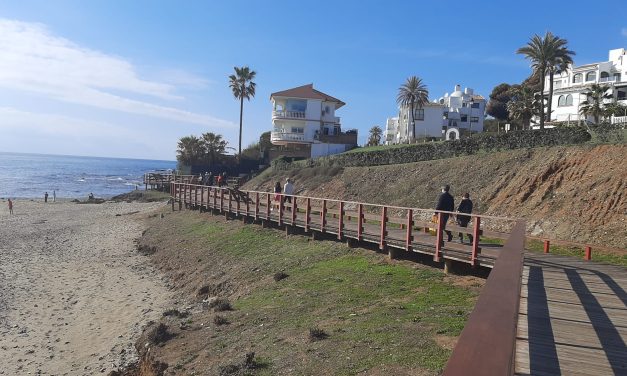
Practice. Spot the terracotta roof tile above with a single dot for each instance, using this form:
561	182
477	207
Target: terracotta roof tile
307	92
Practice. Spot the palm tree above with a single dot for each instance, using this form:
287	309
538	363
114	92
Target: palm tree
375	136
547	54
190	150
411	94
243	87
594	104
215	147
522	104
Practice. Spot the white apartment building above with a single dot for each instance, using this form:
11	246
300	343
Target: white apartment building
305	126
450	117
569	86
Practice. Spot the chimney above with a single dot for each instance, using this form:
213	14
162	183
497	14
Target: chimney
458	88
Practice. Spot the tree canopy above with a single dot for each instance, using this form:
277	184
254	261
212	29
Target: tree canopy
497	106
413	93
375	136
207	149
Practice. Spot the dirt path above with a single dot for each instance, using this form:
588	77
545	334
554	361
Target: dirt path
74	293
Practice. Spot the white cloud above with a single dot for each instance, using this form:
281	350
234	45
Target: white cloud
34	60
623	31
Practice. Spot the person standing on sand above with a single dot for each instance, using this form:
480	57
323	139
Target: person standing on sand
465	206
10	207
46	197
445	203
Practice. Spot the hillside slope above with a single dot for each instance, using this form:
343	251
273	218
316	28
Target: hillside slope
571	192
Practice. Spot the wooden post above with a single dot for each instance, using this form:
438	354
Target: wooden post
308	214
221	200
547	245
256	206
268	203
281	198
323	216
360	222
294	210
476	230
230	200
237	204
340	225
588	253
409	238
438	239
384	218
172	195
247	205
180	189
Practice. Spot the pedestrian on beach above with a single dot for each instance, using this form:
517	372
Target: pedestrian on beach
465	206
219	181
46	197
54	195
445	203
288	189
277	193
10	207
224	182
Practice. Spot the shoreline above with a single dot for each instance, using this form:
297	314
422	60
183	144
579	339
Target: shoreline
75	293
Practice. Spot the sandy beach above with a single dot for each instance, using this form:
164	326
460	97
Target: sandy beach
74	293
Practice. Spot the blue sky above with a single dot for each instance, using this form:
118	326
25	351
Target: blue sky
129	78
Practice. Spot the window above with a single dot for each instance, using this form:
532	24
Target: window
420	114
327	109
622	95
578	78
296	105
557	84
476	105
298	130
604	77
569	100
617	77
591	76
474	119
561	101
464	118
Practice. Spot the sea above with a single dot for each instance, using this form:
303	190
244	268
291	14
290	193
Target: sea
31	175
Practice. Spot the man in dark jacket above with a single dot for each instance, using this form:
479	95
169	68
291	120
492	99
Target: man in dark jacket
462	220
446	203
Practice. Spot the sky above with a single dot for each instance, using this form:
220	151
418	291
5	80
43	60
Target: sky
118	78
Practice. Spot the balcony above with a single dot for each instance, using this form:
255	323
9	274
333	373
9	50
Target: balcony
608	79
288	114
282	138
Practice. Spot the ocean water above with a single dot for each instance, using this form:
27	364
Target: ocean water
31	175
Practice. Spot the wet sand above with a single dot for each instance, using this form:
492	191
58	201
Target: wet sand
74	292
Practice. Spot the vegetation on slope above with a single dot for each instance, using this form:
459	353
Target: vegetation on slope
302	306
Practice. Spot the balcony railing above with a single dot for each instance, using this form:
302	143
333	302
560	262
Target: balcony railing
288	114
608	79
289	137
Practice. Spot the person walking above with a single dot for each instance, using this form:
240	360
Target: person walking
46	197
445	203
277	194
10	207
288	189
465	206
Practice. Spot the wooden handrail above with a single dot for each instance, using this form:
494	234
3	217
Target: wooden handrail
488	342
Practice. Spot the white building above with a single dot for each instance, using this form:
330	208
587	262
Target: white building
569	86
451	117
305	125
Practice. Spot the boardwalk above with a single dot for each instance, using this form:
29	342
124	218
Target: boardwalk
572	318
538	314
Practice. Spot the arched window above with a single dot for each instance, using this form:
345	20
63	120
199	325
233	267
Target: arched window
591	76
605	75
561	101
568	100
577	78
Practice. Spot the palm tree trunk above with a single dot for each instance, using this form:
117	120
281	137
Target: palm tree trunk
413	122
543	73
241	114
550	100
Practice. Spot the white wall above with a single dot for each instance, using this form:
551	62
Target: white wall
321	150
314	109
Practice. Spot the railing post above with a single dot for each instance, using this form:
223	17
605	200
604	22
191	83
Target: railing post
476	230
438	239
360	222
384	219
180	194
172	195
237	204
294	209
268	207
340	225
256	206
588	253
409	238
281	197
215	197
247	205
547	245
308	214
323	216
221	199
230	200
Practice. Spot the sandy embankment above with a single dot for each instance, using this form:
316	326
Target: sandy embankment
74	293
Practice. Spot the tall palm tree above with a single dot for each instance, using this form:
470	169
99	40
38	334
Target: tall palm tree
243	87
594	105
411	94
547	54
190	150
